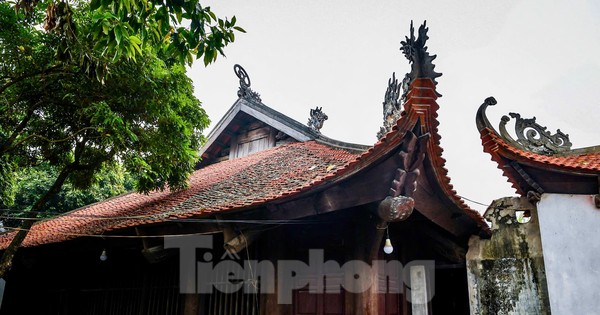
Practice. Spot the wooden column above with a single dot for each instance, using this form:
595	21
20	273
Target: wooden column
191	304
368	240
272	245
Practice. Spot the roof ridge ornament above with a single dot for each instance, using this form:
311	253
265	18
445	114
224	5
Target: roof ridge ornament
317	118
415	51
391	106
245	91
531	136
421	61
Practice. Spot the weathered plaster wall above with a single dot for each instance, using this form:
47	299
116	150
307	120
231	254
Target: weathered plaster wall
570	226
506	272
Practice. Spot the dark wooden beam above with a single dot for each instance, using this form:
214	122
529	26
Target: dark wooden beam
565	183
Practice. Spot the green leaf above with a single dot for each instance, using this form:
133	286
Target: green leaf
178	13
95	4
190	58
135	39
105	27
237	28
209	55
212	15
118	30
126	5
135	46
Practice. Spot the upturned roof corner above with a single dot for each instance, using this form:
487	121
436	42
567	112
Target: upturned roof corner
531	136
537	161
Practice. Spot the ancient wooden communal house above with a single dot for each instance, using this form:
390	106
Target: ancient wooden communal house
269	188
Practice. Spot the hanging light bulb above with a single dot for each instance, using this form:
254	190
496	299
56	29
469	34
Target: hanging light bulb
103	256
387	247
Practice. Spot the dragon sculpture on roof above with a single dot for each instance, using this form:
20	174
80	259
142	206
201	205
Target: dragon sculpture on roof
421	61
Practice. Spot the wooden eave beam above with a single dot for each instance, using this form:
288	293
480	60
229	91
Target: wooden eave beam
555	181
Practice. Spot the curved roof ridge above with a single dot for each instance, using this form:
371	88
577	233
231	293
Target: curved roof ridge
506	151
422	100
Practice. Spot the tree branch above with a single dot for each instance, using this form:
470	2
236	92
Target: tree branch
52	70
47	139
4	147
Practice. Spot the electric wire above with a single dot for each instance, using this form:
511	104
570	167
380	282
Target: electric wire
112	235
154	216
166	219
142	216
473	201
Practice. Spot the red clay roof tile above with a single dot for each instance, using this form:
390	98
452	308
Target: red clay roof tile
238	183
502	152
585	161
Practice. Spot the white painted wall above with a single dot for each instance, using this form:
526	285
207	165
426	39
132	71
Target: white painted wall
570	231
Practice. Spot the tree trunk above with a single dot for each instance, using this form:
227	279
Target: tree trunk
10	251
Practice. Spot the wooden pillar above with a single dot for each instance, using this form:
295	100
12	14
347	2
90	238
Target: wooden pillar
191	304
368	242
273	251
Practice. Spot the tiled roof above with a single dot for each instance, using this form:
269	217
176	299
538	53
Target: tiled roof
233	184
556	168
504	153
254	180
586	161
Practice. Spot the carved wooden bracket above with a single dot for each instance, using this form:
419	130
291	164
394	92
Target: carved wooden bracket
534	196
399	204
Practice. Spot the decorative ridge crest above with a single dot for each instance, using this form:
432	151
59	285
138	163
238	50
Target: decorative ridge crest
245	91
531	136
391	106
317	118
421	61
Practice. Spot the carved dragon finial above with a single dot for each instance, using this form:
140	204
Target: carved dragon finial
415	51
530	135
534	137
245	91
317	118
391	106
